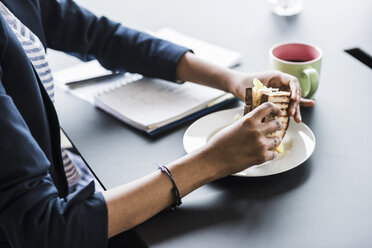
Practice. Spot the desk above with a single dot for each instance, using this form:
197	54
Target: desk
325	202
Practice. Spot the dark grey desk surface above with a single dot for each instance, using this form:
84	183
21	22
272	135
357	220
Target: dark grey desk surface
325	202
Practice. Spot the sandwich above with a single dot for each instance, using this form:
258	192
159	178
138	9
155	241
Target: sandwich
260	94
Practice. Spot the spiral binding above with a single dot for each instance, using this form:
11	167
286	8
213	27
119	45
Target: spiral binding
125	79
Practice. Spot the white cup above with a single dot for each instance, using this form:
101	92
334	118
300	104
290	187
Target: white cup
286	7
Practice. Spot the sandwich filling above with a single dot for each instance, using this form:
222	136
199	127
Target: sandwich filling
258	90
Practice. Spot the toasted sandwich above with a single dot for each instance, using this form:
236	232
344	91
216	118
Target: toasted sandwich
260	94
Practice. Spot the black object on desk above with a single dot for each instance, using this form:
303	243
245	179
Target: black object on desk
360	55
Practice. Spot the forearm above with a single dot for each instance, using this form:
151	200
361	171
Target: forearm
131	204
193	69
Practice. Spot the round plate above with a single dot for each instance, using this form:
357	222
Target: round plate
298	143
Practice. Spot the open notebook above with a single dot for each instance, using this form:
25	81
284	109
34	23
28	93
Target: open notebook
152	105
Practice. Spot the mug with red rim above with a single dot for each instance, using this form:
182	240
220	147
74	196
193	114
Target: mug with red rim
300	60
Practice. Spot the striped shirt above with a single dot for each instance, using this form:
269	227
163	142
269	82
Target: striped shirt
77	176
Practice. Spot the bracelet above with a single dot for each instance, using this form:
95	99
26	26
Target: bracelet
175	192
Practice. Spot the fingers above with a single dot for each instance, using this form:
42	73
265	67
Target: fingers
296	92
294	85
290	83
272	143
270	155
266	156
297	115
271	126
296	108
307	102
292	108
266	109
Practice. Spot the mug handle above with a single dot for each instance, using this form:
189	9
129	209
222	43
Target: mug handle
309	82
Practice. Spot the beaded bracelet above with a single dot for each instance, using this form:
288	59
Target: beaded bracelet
175	192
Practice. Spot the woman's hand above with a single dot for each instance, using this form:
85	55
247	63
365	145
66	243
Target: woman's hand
193	69
244	143
238	82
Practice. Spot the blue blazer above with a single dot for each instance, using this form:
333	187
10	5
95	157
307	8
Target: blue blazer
35	210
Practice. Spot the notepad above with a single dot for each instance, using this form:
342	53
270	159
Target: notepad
150	104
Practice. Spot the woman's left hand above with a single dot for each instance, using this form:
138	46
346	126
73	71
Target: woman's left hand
275	79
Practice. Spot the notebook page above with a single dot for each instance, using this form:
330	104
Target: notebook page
151	103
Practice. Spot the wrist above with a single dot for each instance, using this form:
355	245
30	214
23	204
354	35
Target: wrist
233	82
226	80
192	171
238	82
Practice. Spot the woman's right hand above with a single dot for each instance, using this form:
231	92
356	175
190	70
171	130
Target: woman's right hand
245	142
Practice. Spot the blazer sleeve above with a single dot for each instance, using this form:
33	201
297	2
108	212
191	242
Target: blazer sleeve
75	30
31	213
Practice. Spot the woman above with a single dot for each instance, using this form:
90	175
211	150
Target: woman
36	209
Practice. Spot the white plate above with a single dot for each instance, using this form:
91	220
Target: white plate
298	143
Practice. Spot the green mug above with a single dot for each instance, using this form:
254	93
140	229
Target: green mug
300	60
